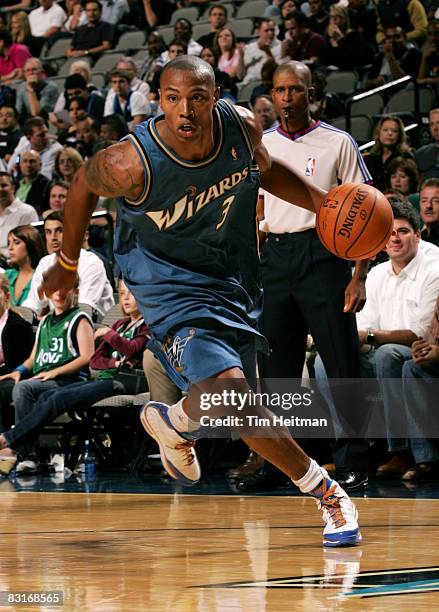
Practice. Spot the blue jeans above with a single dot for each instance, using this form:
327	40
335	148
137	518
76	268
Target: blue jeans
386	365
50	403
420	402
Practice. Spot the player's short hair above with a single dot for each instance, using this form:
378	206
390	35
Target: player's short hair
406	210
191	63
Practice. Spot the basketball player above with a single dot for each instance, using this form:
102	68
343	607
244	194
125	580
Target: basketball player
306	288
186	243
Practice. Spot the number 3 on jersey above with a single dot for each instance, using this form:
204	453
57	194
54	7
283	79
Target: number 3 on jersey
225	210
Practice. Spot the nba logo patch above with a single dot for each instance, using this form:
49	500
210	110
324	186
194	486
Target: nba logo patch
310	166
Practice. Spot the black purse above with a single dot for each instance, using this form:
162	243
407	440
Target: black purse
133	380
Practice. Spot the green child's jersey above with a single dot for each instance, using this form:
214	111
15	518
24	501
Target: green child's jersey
56	341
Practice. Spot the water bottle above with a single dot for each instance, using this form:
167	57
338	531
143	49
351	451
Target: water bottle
88	464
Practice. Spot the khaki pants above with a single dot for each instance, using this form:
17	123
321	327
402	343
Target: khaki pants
161	387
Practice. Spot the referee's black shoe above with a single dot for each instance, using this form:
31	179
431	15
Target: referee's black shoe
352	480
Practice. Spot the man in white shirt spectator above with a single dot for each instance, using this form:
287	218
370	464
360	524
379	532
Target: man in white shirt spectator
258	52
13	212
36	137
94	286
133	106
129	65
47	20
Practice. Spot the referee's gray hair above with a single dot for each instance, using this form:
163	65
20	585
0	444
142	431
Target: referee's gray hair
298	68
191	63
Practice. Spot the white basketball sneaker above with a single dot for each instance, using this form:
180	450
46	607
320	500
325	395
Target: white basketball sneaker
339	514
176	452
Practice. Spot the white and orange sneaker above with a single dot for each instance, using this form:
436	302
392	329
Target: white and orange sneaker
176	451
339	514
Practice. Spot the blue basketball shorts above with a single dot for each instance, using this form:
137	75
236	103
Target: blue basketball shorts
193	353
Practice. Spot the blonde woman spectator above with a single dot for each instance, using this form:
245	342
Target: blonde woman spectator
230	54
20	32
25	249
67	162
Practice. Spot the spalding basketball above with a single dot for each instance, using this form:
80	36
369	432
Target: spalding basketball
355	221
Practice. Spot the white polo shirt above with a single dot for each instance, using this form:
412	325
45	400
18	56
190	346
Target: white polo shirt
41	20
401	301
17	213
321	154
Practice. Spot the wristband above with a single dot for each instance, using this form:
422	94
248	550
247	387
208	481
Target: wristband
65	265
22	369
68	260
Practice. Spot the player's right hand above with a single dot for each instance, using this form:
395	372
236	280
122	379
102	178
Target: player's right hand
56	278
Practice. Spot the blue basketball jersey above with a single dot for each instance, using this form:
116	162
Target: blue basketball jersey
188	246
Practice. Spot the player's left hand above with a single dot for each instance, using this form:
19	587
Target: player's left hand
354	296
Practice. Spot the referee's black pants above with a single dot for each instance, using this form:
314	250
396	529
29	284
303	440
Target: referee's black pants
304	289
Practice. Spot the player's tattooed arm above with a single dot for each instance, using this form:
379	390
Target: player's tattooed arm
115	171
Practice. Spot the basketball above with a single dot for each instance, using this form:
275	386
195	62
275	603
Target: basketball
355	221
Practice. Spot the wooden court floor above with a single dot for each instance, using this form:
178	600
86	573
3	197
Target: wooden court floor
202	553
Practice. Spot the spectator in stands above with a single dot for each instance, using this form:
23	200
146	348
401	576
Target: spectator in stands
265	112
429	208
95	37
390	142
280	9
175	48
153	62
36	137
13	212
258	52
121	348
57	197
397	58
409	16
133	106
94	288
33	187
12	58
21	33
46	21
427	157
87	137
404	179
266	85
420	401
114	10
76	85
226	84
25	249
77	111
300	42
16	341
429	69
230	54
67	162
345	47
10	131
37	96
411	280
60	356
129	65
76	16
324	105
113	128
363	17
158	12
183	34
217	16
319	16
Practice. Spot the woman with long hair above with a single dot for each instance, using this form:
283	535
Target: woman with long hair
404	179
230	54
67	162
25	249
21	32
390	142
